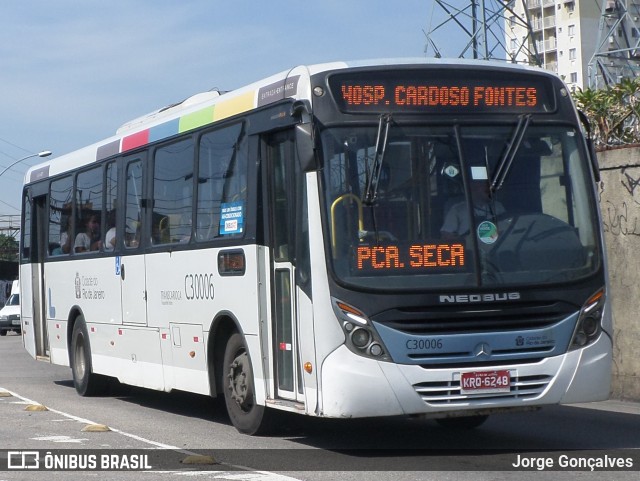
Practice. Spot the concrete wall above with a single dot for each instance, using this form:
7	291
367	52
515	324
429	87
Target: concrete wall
619	192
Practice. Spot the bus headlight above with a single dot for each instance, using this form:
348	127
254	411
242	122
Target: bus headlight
360	338
589	323
360	335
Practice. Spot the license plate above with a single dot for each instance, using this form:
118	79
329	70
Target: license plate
16	322
481	382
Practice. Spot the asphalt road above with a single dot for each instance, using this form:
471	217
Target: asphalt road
185	436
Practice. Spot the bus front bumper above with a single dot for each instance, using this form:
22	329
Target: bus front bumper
355	386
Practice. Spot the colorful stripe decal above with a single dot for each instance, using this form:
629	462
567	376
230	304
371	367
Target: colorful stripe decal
196	119
136	140
107	150
163	131
221	110
234	106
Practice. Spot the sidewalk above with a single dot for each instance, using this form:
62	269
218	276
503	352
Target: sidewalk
613	405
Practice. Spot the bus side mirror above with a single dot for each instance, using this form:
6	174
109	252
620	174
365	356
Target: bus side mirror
301	109
304	148
590	146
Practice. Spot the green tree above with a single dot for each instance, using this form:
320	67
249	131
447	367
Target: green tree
614	112
8	248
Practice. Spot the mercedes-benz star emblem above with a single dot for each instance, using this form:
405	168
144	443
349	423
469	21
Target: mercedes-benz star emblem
482	349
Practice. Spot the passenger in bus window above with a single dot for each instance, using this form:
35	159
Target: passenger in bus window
110	239
110	236
90	239
65	237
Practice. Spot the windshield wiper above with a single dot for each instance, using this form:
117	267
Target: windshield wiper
373	180
509	154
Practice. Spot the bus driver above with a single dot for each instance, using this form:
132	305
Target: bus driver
456	222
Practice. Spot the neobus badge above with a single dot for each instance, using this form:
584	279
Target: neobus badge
490	297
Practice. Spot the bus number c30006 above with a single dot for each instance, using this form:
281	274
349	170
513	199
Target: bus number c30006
198	287
424	344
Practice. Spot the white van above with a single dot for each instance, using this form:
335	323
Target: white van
10	313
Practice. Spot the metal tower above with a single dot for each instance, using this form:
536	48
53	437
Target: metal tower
482	30
617	53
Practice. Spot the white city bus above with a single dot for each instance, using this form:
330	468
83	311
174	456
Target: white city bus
340	240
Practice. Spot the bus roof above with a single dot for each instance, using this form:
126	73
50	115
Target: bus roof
209	107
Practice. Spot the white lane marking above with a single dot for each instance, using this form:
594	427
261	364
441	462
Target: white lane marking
87	421
231	475
61	439
224	475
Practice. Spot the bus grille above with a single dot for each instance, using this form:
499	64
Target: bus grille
456	320
448	393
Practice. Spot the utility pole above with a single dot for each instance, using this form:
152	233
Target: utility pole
485	27
617	54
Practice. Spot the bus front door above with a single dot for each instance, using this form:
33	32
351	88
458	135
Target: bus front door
281	158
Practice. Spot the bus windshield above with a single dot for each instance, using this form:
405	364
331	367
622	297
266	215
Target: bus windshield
458	206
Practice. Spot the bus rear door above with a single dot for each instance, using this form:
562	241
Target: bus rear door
132	268
33	250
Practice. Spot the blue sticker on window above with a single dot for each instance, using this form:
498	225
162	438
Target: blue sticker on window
232	218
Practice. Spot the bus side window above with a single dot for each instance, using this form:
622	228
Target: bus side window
110	214
133	204
222	182
25	233
60	216
89	202
173	191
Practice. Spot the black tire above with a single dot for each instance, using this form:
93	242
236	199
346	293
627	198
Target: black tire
464	422
84	380
3	333
239	391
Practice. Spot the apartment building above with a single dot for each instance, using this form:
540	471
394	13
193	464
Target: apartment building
564	35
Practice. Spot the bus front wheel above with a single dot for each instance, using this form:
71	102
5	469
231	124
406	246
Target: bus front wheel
239	389
84	380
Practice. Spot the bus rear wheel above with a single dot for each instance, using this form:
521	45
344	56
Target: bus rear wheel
239	389
84	380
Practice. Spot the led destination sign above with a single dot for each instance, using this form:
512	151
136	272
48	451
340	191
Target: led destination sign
372	258
436	92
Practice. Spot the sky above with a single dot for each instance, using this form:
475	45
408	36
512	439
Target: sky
73	71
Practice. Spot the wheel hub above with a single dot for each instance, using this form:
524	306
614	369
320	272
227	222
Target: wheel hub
238	376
